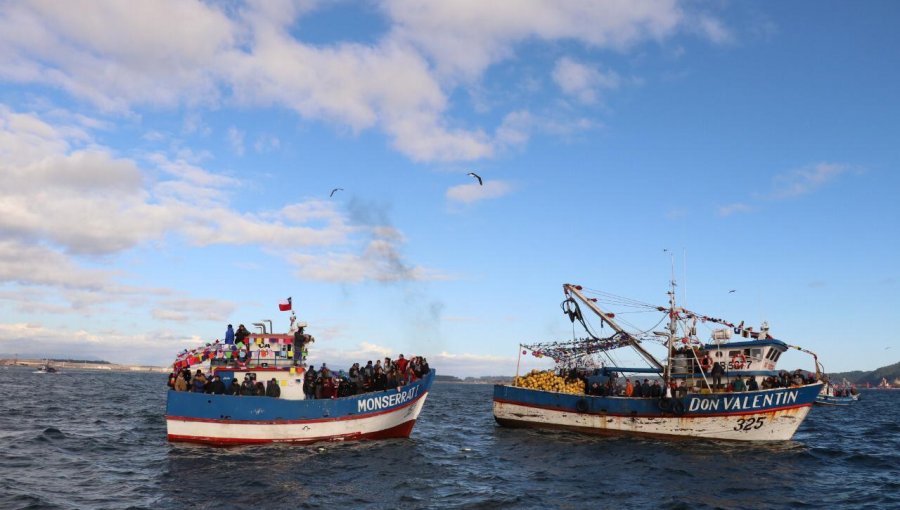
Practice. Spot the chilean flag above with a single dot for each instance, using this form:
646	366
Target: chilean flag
285	305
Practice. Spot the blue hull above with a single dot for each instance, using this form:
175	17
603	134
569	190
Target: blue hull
746	416
227	419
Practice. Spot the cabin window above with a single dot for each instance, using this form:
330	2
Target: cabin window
777	355
756	353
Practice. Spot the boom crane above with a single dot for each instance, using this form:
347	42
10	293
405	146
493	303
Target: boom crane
575	290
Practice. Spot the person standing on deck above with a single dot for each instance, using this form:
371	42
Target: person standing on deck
645	389
752	384
717	372
629	388
229	335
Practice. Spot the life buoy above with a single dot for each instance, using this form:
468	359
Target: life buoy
665	405
705	363
737	365
677	407
264	353
581	406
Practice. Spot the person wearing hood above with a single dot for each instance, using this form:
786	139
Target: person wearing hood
229	335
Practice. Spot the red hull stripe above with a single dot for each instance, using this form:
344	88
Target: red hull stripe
399	431
629	415
310	420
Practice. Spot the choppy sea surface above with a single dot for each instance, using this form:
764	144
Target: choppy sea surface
85	439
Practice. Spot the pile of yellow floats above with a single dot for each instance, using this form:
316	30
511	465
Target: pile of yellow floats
548	381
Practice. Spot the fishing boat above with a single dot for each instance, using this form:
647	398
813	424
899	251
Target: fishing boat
292	417
704	384
46	368
842	394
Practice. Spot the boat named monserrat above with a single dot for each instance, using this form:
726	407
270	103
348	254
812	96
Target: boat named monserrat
722	389
224	415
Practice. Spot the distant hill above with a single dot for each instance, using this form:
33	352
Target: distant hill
873	377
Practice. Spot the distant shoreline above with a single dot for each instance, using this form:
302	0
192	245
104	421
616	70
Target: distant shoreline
84	365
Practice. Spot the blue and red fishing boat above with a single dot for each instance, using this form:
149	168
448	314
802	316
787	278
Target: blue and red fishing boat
720	389
292	417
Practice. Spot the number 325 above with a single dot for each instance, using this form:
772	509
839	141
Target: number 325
746	424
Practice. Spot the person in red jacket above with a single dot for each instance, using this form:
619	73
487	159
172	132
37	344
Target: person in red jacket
401	364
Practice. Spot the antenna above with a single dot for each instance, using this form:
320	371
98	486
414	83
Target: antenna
684	283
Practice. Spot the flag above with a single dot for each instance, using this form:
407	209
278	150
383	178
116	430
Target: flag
285	305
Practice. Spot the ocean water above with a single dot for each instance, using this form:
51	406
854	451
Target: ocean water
85	440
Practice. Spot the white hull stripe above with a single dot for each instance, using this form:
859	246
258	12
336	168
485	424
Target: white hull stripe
766	425
225	431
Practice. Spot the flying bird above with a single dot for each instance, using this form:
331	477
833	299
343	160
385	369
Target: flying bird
732	291
335	189
473	174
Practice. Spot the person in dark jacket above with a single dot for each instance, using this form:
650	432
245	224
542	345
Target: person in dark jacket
241	334
216	386
638	389
247	387
229	335
379	382
272	389
656	390
232	388
752	385
645	389
717	372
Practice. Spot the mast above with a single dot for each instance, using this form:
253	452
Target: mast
576	291
673	329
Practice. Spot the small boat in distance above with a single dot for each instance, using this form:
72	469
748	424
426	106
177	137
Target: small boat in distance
884	384
721	389
842	394
225	415
46	368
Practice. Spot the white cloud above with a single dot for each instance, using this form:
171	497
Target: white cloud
170	53
792	184
236	140
62	210
469	193
463	38
735	208
803	181
582	81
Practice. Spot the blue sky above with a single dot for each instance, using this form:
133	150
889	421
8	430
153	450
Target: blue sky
167	169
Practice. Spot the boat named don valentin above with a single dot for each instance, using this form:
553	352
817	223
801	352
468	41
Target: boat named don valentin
724	389
222	419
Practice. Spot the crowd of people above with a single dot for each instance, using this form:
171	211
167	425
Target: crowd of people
324	383
613	387
198	382
321	383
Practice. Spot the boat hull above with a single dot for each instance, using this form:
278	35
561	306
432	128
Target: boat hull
831	400
766	415
231	420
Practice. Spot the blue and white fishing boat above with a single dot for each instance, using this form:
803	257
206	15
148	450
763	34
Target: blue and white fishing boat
842	394
704	391
222	419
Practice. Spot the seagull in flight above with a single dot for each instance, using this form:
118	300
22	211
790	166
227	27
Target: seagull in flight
335	189
732	291
473	174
